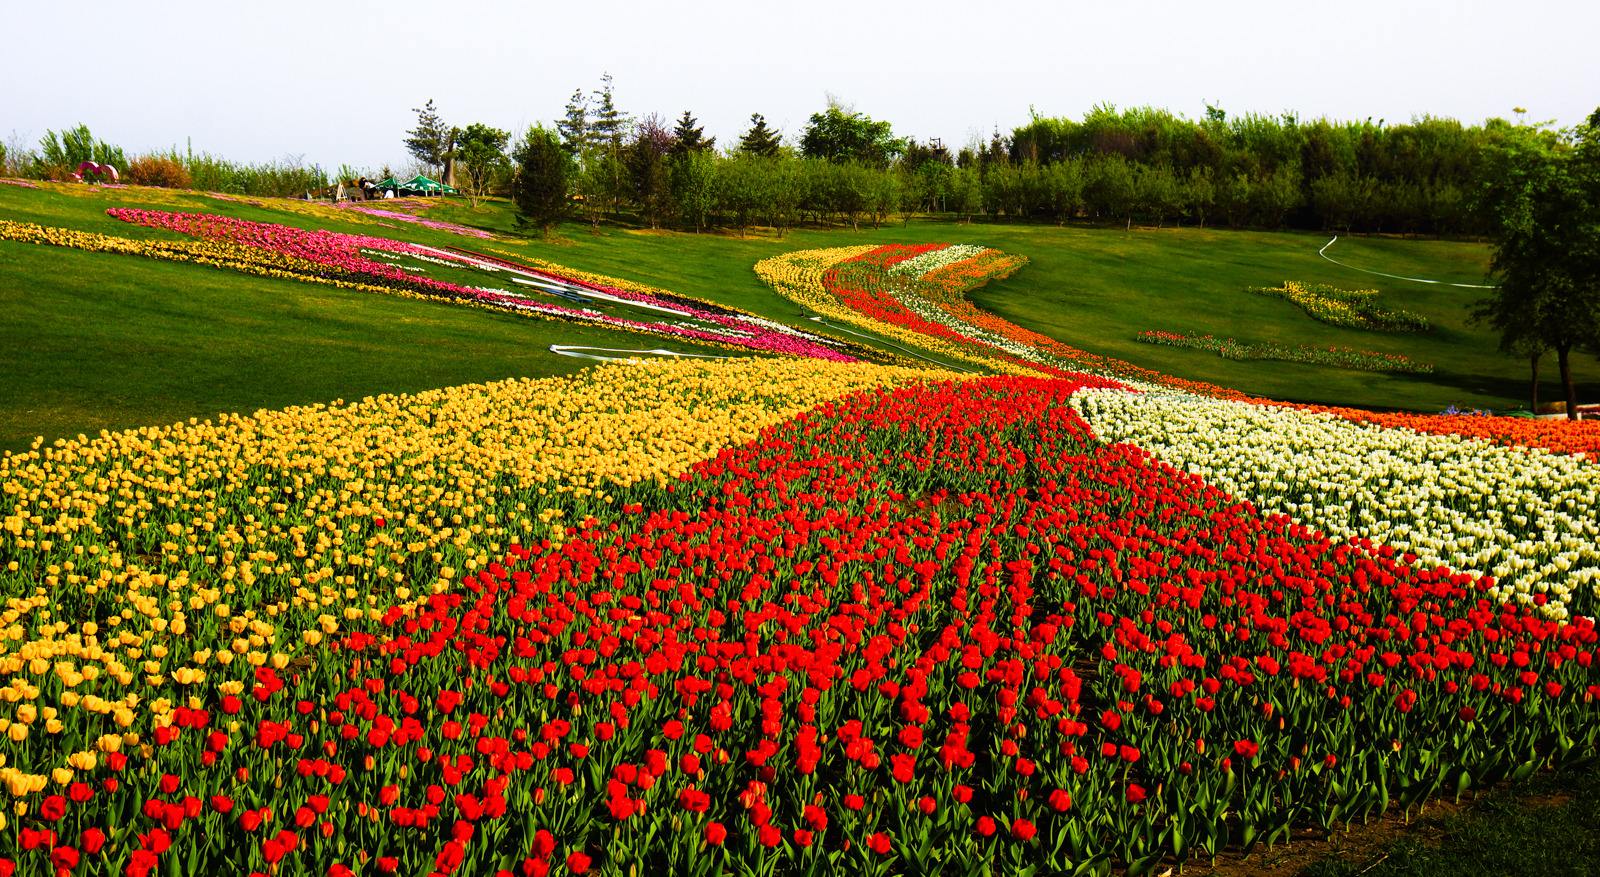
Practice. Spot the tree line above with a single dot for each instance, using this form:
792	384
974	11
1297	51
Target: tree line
1138	165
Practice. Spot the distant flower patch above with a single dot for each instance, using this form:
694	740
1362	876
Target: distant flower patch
23	183
1350	308
449	227
1335	357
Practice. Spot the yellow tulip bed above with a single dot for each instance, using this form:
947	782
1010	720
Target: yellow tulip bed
1350	308
799	277
155	563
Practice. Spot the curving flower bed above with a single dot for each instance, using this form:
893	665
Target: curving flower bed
1334	356
351	261
929	629
1523	516
866	286
767	616
1350	308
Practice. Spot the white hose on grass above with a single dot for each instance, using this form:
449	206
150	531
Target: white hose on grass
578	352
1324	254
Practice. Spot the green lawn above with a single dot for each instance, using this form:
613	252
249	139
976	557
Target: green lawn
1096	288
94	341
101	341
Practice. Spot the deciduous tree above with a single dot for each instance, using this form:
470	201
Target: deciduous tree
1544	196
840	134
481	154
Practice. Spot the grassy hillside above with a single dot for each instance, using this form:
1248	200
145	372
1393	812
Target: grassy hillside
101	341
1096	288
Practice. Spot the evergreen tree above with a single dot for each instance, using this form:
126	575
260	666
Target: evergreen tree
689	137
759	140
610	124
574	126
429	142
543	169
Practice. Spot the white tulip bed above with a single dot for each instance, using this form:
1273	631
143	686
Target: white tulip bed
1527	517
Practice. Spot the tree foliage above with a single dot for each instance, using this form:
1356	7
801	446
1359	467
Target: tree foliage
574	126
759	139
62	152
481	154
609	125
689	136
544	168
1543	199
429	141
839	134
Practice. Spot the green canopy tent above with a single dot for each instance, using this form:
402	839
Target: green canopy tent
421	185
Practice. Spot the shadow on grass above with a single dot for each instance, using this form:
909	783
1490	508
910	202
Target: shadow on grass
1548	828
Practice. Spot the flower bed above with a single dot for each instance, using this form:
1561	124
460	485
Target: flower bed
353	261
237	542
434	224
1350	308
942	628
1523	516
1336	357
1559	436
861	286
903	309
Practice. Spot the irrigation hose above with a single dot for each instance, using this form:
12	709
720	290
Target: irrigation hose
1324	254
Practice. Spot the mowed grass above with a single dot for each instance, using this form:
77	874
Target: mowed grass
1548	828
1097	288
97	341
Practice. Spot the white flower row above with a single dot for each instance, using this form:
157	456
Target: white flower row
933	260
1526	516
384	255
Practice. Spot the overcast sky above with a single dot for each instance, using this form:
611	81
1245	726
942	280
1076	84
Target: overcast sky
334	81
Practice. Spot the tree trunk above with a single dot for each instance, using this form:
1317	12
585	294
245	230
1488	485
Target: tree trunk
1564	360
1533	384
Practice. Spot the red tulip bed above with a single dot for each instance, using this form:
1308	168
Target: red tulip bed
938	629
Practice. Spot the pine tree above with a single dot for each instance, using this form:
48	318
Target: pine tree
543	171
759	140
610	124
429	142
689	137
574	127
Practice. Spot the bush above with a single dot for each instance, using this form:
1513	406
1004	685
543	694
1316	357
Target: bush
158	170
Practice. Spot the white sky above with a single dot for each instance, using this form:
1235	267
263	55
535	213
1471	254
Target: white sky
335	80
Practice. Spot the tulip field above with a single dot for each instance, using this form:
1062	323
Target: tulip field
970	600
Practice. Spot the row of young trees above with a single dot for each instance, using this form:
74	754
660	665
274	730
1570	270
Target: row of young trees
1139	165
